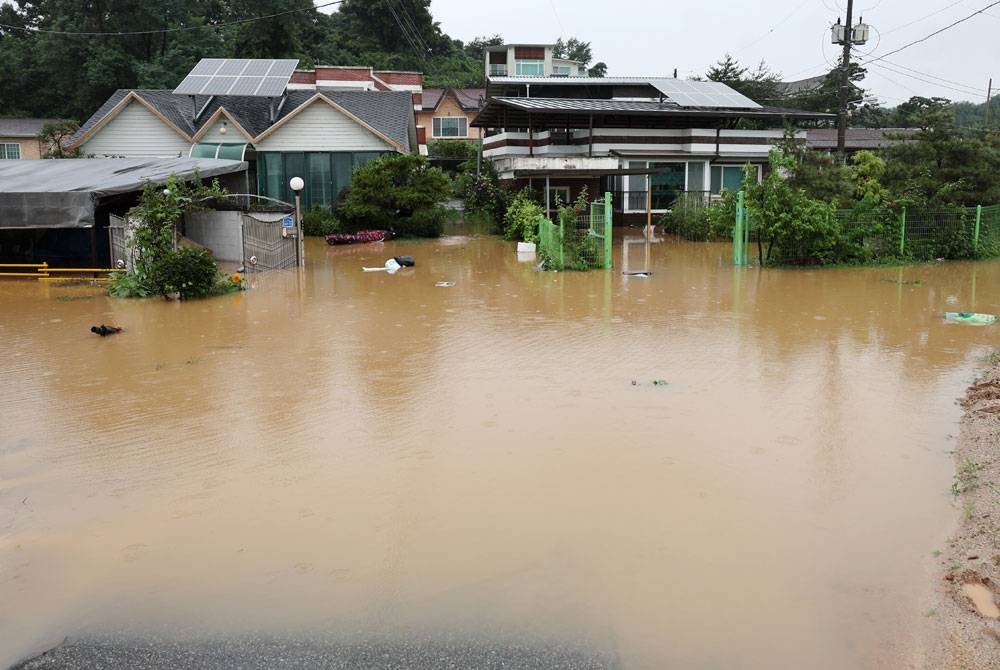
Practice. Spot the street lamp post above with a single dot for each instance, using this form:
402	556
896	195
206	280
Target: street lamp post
296	184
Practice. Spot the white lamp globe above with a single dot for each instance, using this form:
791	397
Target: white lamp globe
296	184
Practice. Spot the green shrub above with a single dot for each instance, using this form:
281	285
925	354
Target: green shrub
399	192
688	217
319	221
129	285
192	273
521	219
454	149
423	223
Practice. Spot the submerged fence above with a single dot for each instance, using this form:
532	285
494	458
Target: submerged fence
851	235
582	244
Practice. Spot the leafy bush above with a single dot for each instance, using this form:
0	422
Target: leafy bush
688	217
484	193
319	221
521	219
192	273
129	285
455	149
424	223
401	192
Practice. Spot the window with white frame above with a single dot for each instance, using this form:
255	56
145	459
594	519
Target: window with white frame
529	68
561	70
498	69
10	152
450	126
729	177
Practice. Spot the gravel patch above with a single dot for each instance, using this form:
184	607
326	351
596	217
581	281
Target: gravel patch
970	564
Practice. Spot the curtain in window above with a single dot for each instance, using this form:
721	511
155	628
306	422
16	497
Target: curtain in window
319	185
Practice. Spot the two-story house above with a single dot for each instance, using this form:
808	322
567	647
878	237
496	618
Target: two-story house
646	139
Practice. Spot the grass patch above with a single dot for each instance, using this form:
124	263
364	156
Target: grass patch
967	478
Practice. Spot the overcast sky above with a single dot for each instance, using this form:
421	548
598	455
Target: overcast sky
645	37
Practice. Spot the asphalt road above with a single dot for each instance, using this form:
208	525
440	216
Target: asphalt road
254	653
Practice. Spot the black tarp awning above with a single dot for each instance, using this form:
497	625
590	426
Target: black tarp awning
65	193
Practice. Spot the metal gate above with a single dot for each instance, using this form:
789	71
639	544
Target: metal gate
264	248
121	255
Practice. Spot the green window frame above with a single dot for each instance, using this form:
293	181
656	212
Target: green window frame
10	152
450	126
326	174
727	178
529	68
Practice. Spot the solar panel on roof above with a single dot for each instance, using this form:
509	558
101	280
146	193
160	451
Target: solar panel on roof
238	76
703	94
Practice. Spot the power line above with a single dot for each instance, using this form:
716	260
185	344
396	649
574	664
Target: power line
924	18
936	32
928	81
941	79
403	30
775	27
212	26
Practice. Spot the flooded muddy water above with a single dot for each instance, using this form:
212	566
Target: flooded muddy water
358	455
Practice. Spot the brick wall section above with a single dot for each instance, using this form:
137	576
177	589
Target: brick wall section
401	78
304	77
328	73
30	149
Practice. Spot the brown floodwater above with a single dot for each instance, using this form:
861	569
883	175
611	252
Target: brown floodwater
347	453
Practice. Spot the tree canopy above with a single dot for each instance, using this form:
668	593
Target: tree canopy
50	68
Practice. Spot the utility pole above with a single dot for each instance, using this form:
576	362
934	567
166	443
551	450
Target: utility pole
845	81
989	94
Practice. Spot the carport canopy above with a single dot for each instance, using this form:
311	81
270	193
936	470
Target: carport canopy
64	193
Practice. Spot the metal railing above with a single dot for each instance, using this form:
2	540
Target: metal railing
585	245
854	235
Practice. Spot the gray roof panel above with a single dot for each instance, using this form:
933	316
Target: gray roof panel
23	127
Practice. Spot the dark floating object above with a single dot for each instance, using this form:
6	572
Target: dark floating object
103	330
405	261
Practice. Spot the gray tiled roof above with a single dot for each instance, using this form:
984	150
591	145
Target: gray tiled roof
22	127
469	99
389	112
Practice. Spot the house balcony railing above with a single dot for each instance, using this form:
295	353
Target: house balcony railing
498	69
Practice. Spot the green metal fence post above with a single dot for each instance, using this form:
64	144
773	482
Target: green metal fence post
902	232
975	237
562	244
608	231
738	229
746	236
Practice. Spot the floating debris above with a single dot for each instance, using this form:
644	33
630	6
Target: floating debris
904	282
444	284
970	318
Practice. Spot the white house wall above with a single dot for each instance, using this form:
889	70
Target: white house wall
136	133
668	142
232	136
322	128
